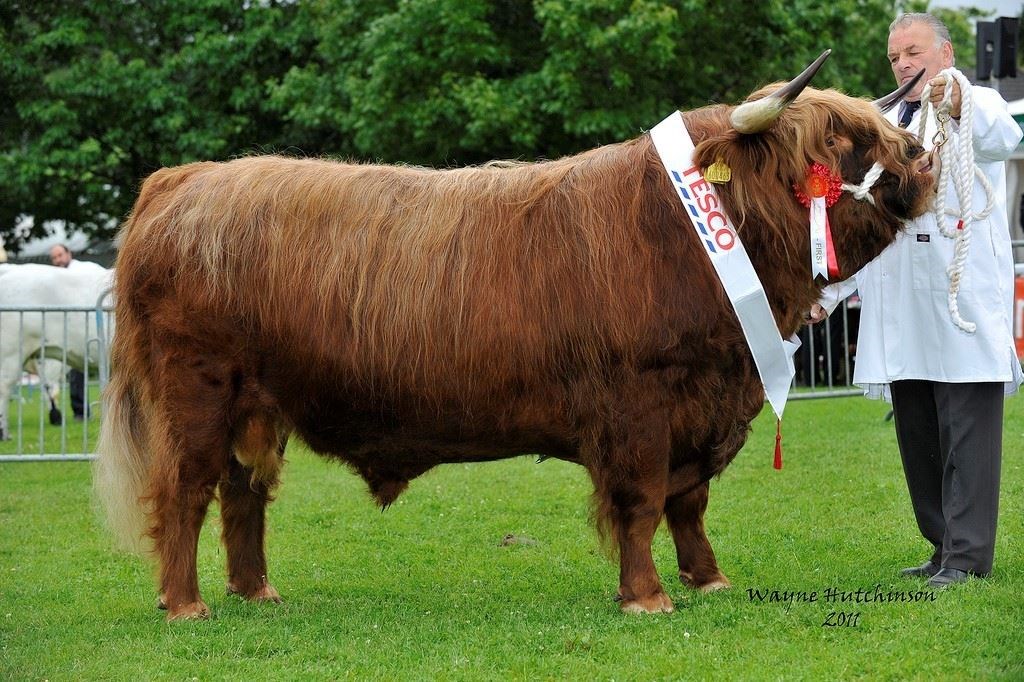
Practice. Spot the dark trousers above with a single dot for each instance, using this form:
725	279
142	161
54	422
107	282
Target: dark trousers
76	389
950	440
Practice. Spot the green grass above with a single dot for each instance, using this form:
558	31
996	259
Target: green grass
424	591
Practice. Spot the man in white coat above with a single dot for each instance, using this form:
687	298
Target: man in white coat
61	257
946	384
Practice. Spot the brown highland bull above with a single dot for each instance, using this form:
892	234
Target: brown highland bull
398	318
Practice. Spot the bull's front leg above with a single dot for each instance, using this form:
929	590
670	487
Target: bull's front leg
640	589
697	565
631	487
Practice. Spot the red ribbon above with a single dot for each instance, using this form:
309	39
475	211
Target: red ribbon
830	250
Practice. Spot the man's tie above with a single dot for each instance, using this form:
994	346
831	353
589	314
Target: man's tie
908	112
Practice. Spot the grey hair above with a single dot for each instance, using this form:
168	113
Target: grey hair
933	22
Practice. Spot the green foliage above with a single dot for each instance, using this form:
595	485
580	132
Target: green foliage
98	95
104	93
425	591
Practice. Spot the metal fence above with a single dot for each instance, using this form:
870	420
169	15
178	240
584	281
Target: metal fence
827	355
824	368
825	361
47	340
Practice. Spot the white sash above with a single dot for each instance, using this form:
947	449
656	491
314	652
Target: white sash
773	355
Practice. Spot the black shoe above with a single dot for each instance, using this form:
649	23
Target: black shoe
925	570
946	577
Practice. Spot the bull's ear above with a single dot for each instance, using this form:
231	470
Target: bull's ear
759	115
886	103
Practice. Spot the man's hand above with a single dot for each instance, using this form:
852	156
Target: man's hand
938	92
815	314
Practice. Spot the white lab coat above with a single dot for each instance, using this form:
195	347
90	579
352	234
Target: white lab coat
905	327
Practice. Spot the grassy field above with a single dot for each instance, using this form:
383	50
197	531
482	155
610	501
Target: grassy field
426	591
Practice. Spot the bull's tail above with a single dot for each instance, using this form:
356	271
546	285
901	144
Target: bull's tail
121	470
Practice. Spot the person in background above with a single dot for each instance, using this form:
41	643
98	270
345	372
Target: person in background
946	384
61	257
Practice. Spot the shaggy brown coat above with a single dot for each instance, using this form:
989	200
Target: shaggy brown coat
397	318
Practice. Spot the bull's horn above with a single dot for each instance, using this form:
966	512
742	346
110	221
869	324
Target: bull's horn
759	115
886	103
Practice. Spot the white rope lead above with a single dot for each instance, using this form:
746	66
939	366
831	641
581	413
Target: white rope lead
957	165
861	192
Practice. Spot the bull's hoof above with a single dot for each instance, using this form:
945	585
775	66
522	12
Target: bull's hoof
265	593
721	583
705	584
715	585
196	610
656	603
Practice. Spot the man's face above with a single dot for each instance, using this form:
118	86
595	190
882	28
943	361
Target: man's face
60	256
912	48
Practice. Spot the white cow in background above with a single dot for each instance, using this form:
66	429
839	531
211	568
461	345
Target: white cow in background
32	335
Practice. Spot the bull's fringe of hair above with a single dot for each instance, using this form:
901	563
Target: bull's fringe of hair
602	519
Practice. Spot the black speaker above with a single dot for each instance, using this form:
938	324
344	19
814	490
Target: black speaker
1004	58
985	40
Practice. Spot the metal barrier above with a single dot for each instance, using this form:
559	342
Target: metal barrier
825	361
57	331
824	369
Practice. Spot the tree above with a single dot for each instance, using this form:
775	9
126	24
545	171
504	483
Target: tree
98	95
102	94
452	82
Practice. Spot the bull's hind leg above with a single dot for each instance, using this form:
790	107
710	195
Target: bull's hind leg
244	495
697	565
191	450
183	488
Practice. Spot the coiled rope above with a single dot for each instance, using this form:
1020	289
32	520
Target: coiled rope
957	166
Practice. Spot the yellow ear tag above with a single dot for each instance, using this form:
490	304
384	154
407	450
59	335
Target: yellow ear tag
718	173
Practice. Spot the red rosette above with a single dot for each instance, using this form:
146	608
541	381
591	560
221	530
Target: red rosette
822	182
